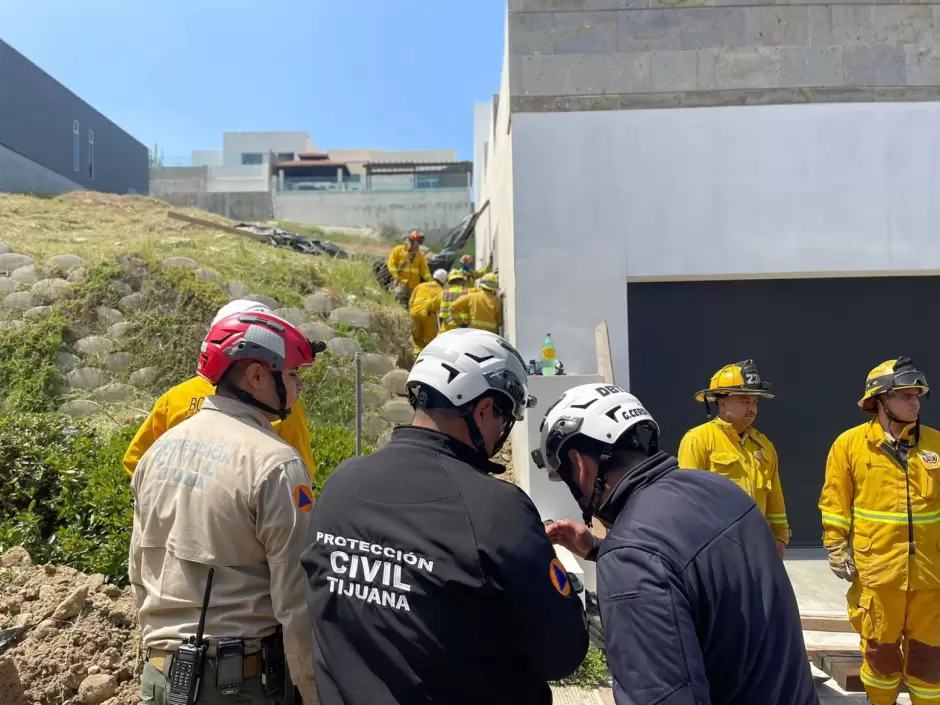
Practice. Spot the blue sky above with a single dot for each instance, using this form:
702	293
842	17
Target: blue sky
393	74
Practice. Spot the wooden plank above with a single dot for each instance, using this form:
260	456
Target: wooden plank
826	624
205	223
605	363
843	667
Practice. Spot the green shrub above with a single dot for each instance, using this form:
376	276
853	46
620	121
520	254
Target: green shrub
29	378
332	444
592	673
66	498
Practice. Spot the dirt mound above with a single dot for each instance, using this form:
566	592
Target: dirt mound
67	638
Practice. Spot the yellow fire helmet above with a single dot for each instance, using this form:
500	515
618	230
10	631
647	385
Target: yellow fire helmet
455	275
892	376
489	282
736	378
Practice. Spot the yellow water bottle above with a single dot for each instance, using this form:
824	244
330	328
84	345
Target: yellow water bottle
548	356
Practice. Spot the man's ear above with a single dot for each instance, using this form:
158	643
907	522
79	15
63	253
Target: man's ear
253	377
482	406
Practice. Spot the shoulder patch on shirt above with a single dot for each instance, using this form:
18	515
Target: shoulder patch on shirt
303	498
929	458
559	577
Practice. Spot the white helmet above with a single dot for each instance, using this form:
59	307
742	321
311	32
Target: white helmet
239	306
462	365
599	411
440	275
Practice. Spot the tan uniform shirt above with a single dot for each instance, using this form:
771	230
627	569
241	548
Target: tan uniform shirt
222	489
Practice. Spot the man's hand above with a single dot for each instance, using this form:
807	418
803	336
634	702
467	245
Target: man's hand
840	562
573	536
781	548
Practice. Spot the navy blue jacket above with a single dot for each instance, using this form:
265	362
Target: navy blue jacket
696	604
430	582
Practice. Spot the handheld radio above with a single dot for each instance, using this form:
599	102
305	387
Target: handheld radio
189	659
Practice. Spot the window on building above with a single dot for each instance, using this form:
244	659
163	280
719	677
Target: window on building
91	154
285	156
252	158
76	155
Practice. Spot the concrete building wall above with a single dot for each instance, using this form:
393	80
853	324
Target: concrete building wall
234	144
624	54
714	193
237	206
239	178
482	131
435	211
207	157
37	121
178	179
21	175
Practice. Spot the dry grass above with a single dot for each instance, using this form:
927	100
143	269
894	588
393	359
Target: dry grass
101	227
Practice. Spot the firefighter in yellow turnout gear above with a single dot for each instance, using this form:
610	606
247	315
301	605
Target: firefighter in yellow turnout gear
883	485
408	266
423	307
457	286
481	308
731	446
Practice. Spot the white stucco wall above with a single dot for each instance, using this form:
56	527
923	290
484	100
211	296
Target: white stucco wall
239	178
234	144
803	190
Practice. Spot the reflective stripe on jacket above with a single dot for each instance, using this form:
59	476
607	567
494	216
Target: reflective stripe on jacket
407	267
749	461
478	309
451	294
184	400
890	501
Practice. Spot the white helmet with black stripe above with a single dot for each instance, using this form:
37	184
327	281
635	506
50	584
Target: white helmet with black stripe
462	365
604	413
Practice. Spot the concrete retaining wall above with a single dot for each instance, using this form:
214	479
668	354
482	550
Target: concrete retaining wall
237	206
435	211
665	53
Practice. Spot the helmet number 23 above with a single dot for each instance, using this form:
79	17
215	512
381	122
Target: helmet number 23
752	378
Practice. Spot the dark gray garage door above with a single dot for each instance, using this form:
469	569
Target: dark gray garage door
814	339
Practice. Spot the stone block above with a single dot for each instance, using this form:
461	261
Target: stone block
922	65
4	248
8	286
66	361
11	261
395	381
109	316
38	312
268	301
682	70
49	290
374	395
777	26
118	362
323	302
318	331
819	25
19	301
684	28
567	74
373	364
570	5
531	33
144	376
28	275
649	30
397	411
115	393
79	408
343	347
294	315
65	262
873	25
873	66
208	275
779	67
237	290
132	302
87	378
77	275
351	316
179	263
118	330
94	345
585	32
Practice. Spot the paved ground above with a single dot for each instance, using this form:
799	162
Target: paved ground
819	593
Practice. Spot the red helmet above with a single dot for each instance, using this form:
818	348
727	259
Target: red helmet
416	235
259	337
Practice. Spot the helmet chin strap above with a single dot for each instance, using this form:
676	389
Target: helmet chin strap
477	438
282	413
600	481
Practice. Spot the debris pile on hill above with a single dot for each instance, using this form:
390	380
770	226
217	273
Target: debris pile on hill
65	638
